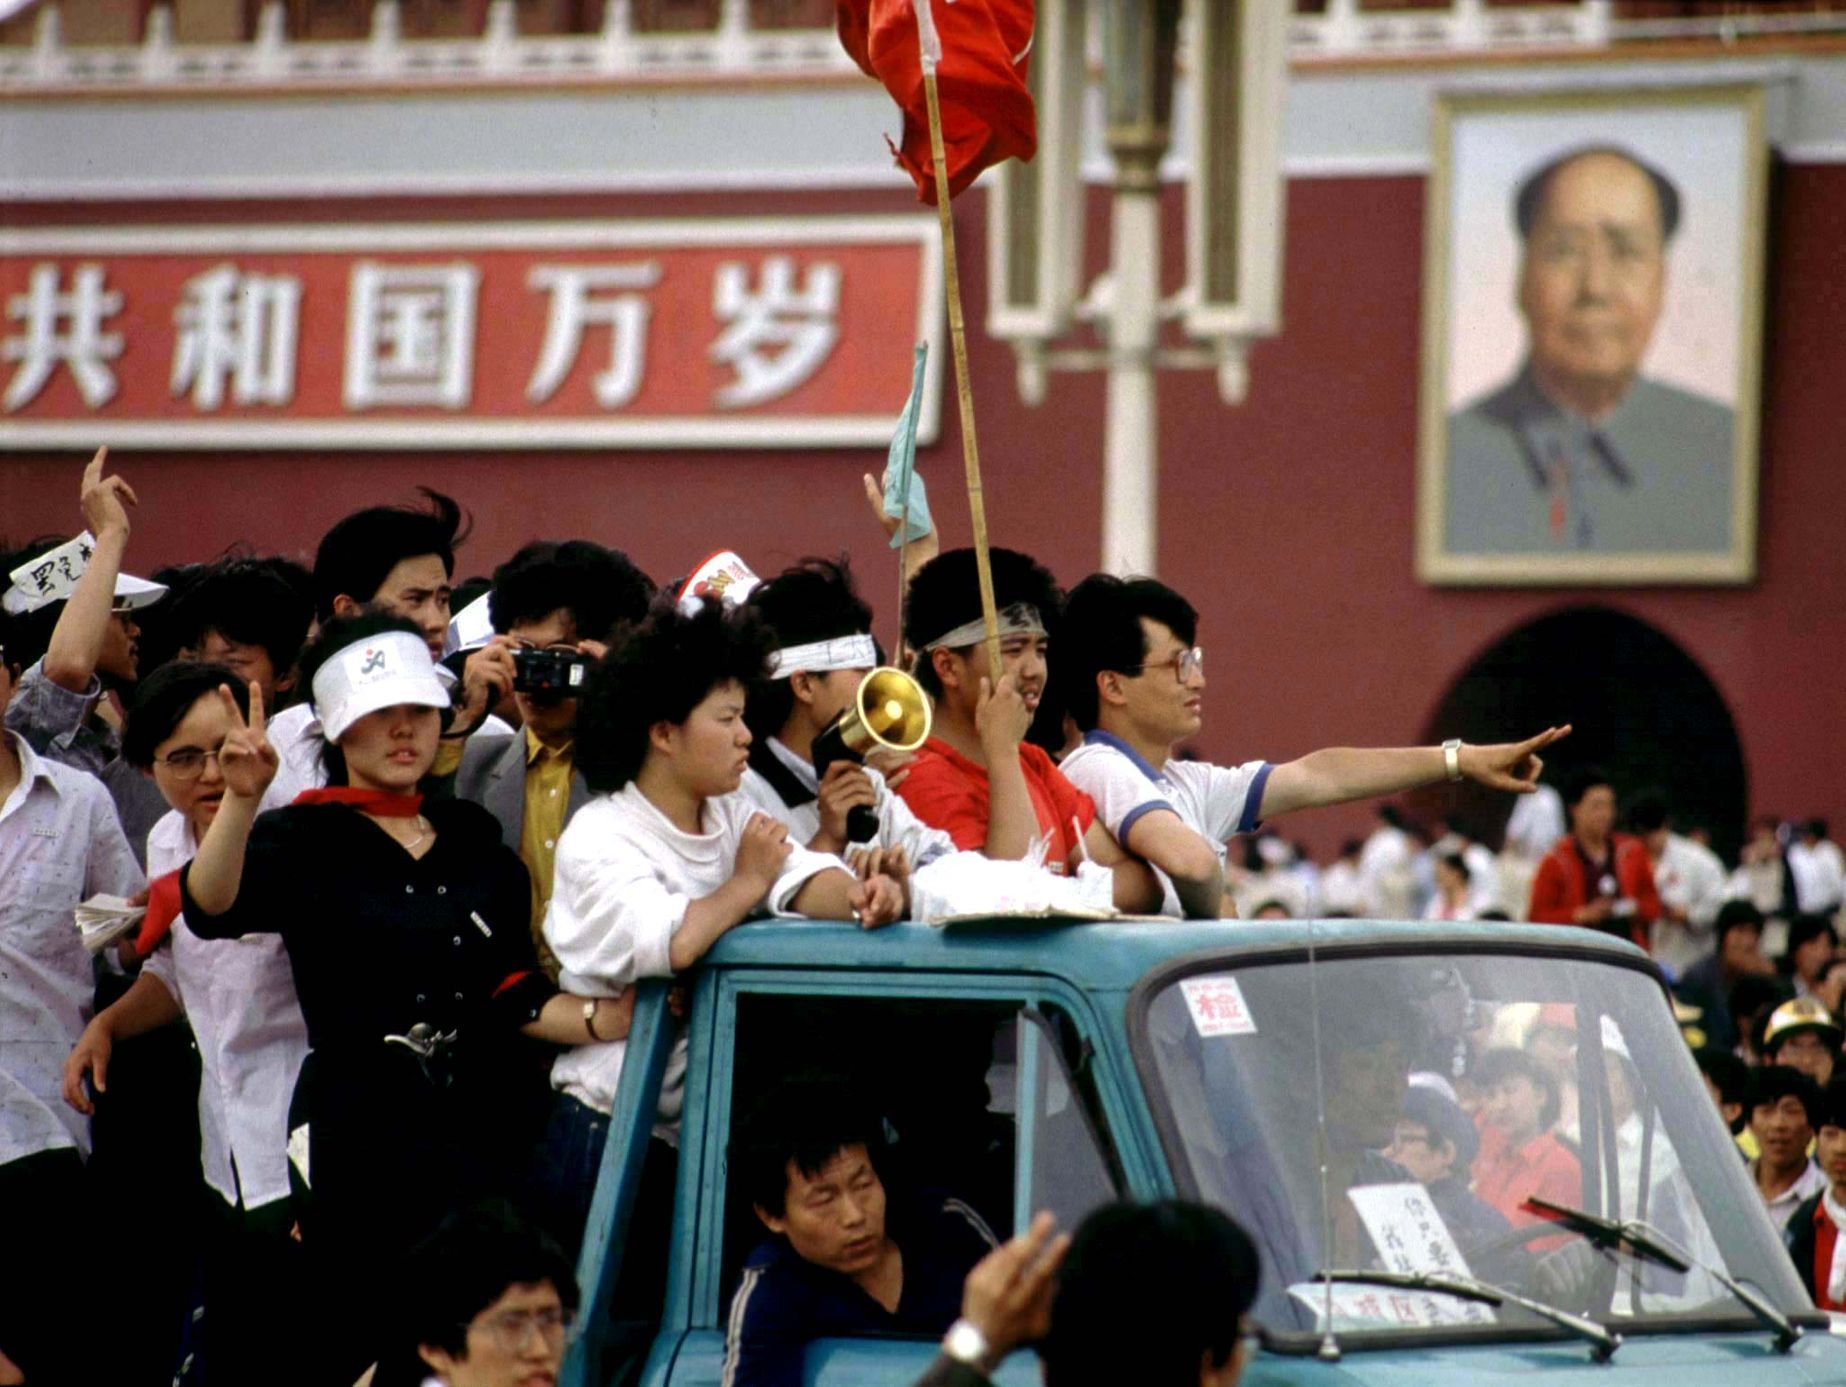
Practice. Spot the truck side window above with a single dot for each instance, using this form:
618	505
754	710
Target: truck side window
976	1098
1062	1164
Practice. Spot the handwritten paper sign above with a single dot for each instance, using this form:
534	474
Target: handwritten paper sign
1217	1006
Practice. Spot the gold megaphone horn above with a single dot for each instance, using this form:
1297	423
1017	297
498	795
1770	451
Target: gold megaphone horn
889	710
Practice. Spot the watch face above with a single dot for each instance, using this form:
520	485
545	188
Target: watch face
964	1343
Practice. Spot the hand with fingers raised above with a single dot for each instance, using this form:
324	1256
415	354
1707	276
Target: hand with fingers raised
247	759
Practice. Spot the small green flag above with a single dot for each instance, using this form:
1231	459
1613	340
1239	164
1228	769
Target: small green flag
906	500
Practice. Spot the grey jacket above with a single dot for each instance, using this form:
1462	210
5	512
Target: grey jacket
493	775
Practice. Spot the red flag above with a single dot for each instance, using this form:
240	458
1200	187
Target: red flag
987	113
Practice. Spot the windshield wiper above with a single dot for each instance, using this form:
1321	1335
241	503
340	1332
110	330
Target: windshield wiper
1648	1242
1468	1288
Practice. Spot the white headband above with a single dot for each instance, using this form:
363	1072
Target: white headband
379	671
52	577
817	657
1020	619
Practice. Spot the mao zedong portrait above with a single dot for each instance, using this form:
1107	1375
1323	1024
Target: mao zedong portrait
1579	451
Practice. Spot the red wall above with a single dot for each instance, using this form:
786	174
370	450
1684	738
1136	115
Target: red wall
1289	520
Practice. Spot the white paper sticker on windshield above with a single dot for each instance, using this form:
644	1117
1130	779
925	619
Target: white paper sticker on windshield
1368	1307
1411	1236
1217	1006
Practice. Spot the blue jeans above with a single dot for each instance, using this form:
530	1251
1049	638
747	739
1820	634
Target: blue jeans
570	1155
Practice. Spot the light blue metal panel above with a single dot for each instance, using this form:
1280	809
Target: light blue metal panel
637	1097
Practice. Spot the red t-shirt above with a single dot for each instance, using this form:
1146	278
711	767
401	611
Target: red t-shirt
948	791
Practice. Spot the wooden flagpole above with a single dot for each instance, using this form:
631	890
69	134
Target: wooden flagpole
958	339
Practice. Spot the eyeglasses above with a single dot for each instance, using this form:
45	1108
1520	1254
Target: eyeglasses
1184	665
188	763
512	1330
1409	1136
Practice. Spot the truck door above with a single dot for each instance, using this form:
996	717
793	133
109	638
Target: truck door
986	1097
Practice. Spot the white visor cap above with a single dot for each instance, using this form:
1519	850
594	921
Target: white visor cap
381	671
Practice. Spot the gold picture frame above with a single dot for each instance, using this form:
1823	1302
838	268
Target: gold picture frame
1619	444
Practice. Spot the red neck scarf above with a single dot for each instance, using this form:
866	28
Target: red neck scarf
382	803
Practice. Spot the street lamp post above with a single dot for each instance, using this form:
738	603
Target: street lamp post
1233	56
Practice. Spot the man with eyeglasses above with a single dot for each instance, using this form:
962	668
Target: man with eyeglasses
489	1303
560	602
1135	687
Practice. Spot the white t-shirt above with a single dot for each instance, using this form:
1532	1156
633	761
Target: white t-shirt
898	825
1689	877
1820	876
1216	802
239	996
620	888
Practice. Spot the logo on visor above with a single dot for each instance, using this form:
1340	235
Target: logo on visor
371	663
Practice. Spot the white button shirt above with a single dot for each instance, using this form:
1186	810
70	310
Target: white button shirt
239	996
60	843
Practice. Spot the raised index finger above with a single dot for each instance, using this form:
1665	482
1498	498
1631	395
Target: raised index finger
257	722
93	470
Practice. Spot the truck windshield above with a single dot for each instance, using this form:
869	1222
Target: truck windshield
1392	1112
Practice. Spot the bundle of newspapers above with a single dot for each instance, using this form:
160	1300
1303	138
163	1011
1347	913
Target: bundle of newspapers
102	920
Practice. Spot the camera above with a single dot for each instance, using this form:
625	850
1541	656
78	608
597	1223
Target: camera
559	672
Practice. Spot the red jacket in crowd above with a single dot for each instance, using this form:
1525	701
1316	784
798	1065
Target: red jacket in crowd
1562	886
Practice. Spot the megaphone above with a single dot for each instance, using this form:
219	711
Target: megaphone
889	710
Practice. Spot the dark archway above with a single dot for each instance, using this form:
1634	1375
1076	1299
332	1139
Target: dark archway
1642	709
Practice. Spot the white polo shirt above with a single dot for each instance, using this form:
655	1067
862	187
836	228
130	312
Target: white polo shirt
1216	802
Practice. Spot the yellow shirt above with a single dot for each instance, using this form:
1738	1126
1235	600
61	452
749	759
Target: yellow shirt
548	777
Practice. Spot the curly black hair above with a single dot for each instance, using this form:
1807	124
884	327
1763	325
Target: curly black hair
666	667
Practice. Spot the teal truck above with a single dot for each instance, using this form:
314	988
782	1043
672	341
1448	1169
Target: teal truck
1259	1066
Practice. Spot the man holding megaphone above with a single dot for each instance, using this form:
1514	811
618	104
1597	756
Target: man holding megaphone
825	712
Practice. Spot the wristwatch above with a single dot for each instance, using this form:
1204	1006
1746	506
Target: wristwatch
966	1344
1451	757
589	1018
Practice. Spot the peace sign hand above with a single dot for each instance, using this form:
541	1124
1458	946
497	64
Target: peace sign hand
1511	766
247	760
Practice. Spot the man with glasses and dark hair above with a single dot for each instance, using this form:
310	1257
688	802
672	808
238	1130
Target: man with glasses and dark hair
1135	686
489	1301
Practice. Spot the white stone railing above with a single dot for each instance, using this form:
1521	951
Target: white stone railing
735	48
385	56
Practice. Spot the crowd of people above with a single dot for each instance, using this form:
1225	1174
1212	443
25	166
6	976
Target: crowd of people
405	844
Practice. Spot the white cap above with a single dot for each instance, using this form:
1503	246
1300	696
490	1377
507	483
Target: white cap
375	672
52	577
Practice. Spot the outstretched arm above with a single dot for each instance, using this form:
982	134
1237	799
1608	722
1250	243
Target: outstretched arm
249	763
77	640
1337	775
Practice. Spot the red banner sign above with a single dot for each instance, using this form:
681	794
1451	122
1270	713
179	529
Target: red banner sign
751	334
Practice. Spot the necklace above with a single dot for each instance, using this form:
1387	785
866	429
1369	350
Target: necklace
428	828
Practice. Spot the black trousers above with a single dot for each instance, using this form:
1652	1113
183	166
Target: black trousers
55	1301
255	1291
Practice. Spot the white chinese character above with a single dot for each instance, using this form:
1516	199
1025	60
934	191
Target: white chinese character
238	325
410	335
800	322
572	310
84	348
